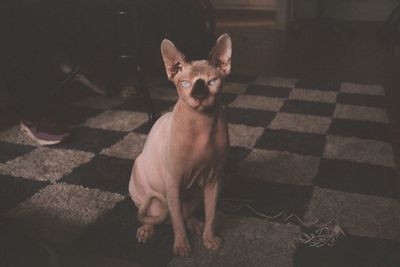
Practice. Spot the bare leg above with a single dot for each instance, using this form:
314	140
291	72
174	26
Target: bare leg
210	241
181	243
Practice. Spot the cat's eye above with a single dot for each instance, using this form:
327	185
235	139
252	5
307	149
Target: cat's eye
213	81
185	84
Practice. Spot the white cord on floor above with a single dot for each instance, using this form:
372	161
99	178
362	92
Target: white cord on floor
324	235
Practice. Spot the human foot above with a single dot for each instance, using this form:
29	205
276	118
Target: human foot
44	132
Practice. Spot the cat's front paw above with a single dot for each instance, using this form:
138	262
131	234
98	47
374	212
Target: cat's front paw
182	247
212	242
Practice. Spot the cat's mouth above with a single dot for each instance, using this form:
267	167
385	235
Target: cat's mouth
203	104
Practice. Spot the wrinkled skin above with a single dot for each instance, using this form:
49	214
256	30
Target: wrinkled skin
185	152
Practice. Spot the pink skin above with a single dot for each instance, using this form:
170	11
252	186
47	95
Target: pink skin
185	152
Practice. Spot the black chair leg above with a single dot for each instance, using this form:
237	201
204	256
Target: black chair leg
145	91
68	78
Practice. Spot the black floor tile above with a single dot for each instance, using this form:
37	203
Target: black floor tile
361	129
357	177
235	155
114	235
299	143
267	198
9	151
350	251
266	90
362	100
250	117
102	172
90	139
14	190
241	78
20	249
227	98
139	105
144	128
318	85
308	107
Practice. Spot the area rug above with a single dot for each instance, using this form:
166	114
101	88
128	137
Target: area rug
314	150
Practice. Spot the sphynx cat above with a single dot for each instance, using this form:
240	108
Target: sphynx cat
183	158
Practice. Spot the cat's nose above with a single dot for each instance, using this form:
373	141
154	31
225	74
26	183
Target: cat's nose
200	90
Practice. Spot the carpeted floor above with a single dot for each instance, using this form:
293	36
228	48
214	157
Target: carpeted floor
317	150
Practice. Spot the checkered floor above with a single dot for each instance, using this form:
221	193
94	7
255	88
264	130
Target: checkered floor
316	149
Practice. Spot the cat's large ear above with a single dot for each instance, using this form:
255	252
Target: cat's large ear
173	59
220	55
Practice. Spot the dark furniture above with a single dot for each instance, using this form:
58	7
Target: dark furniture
391	30
324	24
116	39
140	27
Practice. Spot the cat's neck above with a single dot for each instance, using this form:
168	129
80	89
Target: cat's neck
202	122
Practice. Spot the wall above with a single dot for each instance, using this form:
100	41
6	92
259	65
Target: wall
245	4
362	10
4	95
368	10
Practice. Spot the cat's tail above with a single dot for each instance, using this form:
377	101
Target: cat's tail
142	213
